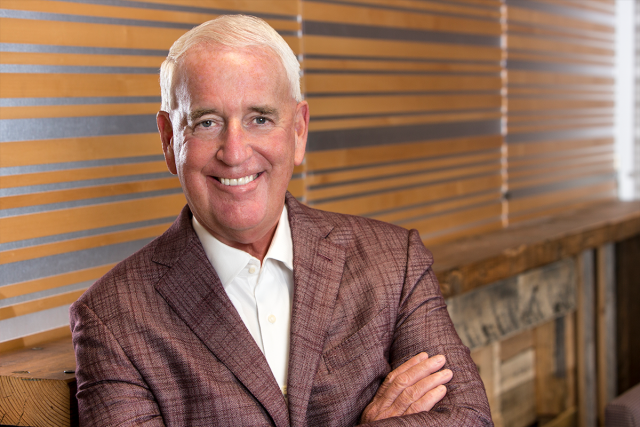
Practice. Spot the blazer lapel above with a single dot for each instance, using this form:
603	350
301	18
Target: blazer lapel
318	263
193	290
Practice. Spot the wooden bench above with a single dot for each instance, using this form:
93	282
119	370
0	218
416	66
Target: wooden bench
42	385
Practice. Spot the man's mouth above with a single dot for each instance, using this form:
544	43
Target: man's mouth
237	181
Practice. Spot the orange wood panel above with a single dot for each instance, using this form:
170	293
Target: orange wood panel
537	77
348	14
353	64
565	206
456	219
35	85
396	152
47	151
69	175
20	309
344	105
568	172
516	27
79	244
52	282
87	217
538	18
35	340
67	195
39	58
370	83
401	168
559	164
599	61
296	187
406	197
529	149
438	206
470	230
48	111
539	44
73	8
558	125
399	183
405	119
564	156
454	9
554	104
344	46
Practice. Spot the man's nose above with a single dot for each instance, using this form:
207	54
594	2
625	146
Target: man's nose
235	148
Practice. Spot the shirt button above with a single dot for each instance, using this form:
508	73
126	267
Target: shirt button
252	269
272	318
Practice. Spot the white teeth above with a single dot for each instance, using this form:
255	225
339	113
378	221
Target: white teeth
238	181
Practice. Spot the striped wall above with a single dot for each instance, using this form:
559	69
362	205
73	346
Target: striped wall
560	89
420	117
83	181
405	112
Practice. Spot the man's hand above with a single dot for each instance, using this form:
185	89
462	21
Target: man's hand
414	386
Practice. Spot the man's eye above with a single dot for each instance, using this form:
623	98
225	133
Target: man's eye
206	123
261	120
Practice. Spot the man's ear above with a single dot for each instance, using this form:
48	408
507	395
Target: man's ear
301	131
166	136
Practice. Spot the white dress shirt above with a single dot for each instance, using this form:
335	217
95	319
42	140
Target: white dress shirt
262	294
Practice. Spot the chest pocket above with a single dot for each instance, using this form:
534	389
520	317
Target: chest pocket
364	341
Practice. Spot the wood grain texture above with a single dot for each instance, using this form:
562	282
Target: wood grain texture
586	341
606	327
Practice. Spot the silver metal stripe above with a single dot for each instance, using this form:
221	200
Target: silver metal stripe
367	137
40	321
595	70
32	102
86	202
84	233
44	48
31	189
64	263
581	133
403	59
75	69
43	294
75	127
321	28
18	170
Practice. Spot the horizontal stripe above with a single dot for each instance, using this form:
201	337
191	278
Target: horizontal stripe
559	185
44	294
331	140
17	170
560	68
64	263
556	9
450	64
312	63
85	19
4	213
75	69
31	189
444	8
182	8
45	48
323	28
395	83
83	233
29	324
89	100
88	110
559	135
75	127
36	339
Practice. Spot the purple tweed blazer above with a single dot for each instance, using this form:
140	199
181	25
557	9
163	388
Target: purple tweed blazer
158	342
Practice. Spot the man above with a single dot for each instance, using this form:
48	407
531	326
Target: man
253	309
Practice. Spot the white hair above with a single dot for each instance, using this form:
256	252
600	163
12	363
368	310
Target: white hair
236	31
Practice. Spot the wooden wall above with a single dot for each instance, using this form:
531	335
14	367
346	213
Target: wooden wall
454	118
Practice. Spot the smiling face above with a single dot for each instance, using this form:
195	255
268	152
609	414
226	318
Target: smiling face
233	137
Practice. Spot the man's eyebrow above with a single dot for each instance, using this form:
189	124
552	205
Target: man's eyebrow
267	111
196	114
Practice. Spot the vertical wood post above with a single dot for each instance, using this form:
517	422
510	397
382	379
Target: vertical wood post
586	342
606	319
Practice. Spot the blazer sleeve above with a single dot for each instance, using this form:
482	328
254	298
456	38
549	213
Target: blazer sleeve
423	324
110	390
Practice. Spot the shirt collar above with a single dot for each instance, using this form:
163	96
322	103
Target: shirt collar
229	262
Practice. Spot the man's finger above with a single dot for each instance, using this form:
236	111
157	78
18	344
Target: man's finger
404	386
421	396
